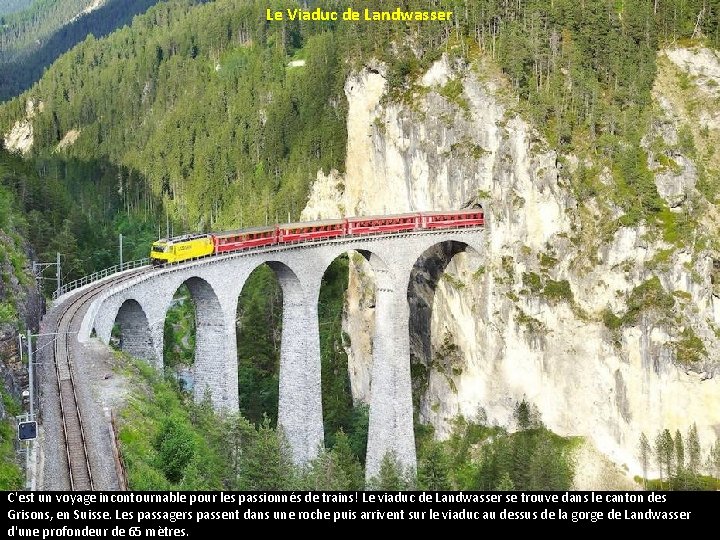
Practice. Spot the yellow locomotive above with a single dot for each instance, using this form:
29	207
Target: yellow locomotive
181	248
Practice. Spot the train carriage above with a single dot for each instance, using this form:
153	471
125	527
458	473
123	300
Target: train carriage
245	238
383	224
311	230
472	217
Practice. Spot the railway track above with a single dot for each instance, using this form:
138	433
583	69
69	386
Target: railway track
73	432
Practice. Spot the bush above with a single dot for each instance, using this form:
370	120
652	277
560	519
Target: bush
532	281
649	296
612	321
558	290
175	446
689	348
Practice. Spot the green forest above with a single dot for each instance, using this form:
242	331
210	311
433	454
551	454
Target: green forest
194	114
170	442
57	209
22	29
33	38
584	72
12	6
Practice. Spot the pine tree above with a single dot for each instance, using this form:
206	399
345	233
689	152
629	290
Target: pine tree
664	453
524	415
645	451
325	473
549	468
434	468
713	462
337	469
506	483
238	435
693	452
391	476
348	461
266	464
679	460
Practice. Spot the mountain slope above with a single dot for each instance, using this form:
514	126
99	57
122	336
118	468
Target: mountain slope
13	6
32	39
183	99
199	100
26	30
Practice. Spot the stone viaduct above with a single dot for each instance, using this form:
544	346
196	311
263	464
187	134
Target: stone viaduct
139	306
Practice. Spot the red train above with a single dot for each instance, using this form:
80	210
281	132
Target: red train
186	247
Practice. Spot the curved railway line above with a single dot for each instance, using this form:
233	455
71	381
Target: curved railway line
78	463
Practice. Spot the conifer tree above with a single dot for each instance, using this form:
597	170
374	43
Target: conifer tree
693	451
266	464
391	476
645	451
506	483
664	453
679	457
348	462
434	468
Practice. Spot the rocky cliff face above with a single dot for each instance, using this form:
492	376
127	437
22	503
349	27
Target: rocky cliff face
544	316
20	138
19	301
